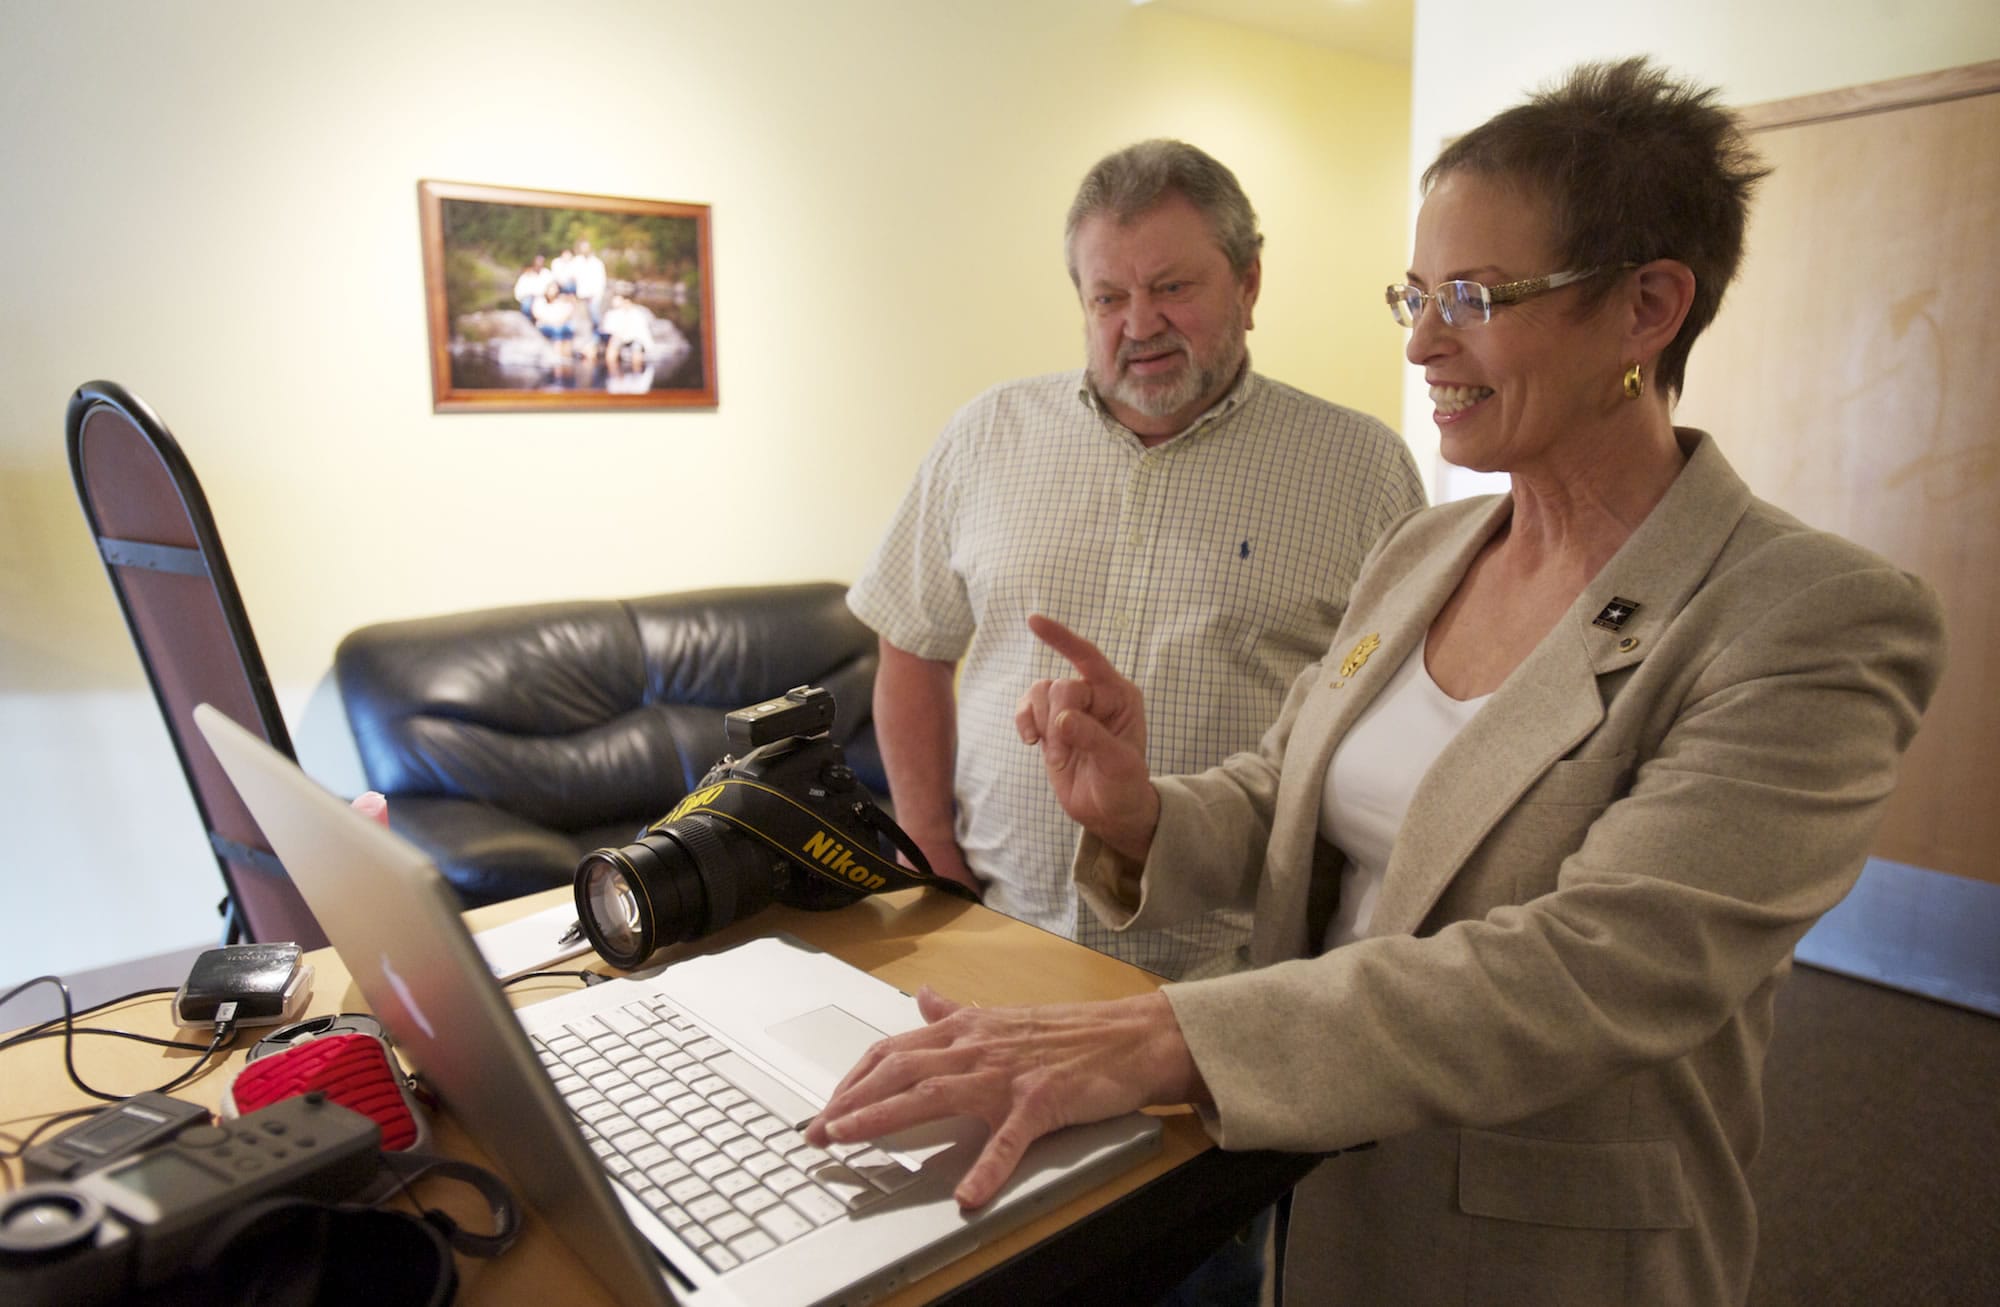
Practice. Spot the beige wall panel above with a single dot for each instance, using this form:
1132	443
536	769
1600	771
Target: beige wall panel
1851	378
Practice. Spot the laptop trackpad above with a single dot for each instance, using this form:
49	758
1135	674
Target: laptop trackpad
832	1040
829	1038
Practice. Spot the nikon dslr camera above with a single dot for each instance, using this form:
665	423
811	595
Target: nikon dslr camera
787	821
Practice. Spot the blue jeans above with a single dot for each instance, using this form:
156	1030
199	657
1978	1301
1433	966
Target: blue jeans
1233	1275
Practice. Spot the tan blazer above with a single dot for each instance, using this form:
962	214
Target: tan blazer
1557	1024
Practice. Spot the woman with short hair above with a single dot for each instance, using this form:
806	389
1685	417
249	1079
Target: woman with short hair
1530	848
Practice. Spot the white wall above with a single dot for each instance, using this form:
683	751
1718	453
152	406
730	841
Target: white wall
1473	58
214	203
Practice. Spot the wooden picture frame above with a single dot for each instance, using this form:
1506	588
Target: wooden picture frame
551	300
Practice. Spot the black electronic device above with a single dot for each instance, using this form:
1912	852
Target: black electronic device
247	984
806	710
111	1234
787	821
115	1132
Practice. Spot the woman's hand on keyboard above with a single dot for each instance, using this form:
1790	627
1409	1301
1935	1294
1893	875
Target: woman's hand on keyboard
1023	1071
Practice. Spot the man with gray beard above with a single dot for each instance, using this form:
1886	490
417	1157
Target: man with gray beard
1198	522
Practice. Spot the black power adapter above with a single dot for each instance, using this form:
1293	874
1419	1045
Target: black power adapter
244	985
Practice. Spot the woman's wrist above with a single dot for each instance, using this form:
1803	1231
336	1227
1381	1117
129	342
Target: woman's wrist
1133	841
1173	1076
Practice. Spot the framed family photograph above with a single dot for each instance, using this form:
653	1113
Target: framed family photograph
548	300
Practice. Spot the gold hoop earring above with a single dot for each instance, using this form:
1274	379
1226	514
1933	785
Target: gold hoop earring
1635	383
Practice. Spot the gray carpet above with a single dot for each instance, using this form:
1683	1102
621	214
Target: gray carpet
1879	1183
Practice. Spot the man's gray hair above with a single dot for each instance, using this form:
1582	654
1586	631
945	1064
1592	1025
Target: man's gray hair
1130	181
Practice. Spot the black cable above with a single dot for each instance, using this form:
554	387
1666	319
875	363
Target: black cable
401	1187
30	1036
587	977
156	991
14	1154
224	1029
80	1012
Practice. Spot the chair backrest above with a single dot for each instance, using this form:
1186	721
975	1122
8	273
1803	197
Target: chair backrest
580	714
167	567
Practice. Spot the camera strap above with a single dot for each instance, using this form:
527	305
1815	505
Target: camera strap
881	822
804	836
409	1167
303	1252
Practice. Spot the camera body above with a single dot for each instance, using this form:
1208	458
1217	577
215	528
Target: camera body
786	822
138	1222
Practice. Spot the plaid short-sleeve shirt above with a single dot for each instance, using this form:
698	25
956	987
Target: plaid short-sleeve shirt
1210	569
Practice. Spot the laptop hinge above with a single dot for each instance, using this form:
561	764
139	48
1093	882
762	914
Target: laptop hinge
154	558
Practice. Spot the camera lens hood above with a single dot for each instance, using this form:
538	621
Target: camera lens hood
47	1217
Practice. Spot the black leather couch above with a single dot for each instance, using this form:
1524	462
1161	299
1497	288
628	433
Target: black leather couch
512	741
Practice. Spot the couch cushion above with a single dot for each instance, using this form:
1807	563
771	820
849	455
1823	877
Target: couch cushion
589	715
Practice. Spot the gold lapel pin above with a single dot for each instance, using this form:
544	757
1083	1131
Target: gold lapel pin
1368	644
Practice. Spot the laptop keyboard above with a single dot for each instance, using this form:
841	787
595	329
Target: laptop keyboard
663	1103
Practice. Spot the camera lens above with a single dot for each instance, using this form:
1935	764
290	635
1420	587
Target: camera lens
41	1218
607	907
674	883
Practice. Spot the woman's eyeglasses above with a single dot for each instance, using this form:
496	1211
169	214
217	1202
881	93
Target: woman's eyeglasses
1469	303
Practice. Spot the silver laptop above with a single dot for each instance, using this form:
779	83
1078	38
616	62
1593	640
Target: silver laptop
665	1198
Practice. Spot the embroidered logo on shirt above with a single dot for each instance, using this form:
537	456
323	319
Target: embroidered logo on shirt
1614	614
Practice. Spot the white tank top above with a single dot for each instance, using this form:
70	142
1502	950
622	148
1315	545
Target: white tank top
1374	774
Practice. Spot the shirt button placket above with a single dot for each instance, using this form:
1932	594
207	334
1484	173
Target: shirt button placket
1130	599
1127	543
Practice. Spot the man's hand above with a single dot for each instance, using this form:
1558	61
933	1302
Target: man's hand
948	861
1023	1071
1092	731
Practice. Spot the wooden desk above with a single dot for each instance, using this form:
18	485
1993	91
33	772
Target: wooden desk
1126	1240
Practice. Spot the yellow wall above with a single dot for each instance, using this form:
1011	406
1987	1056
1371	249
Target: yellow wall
215	204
